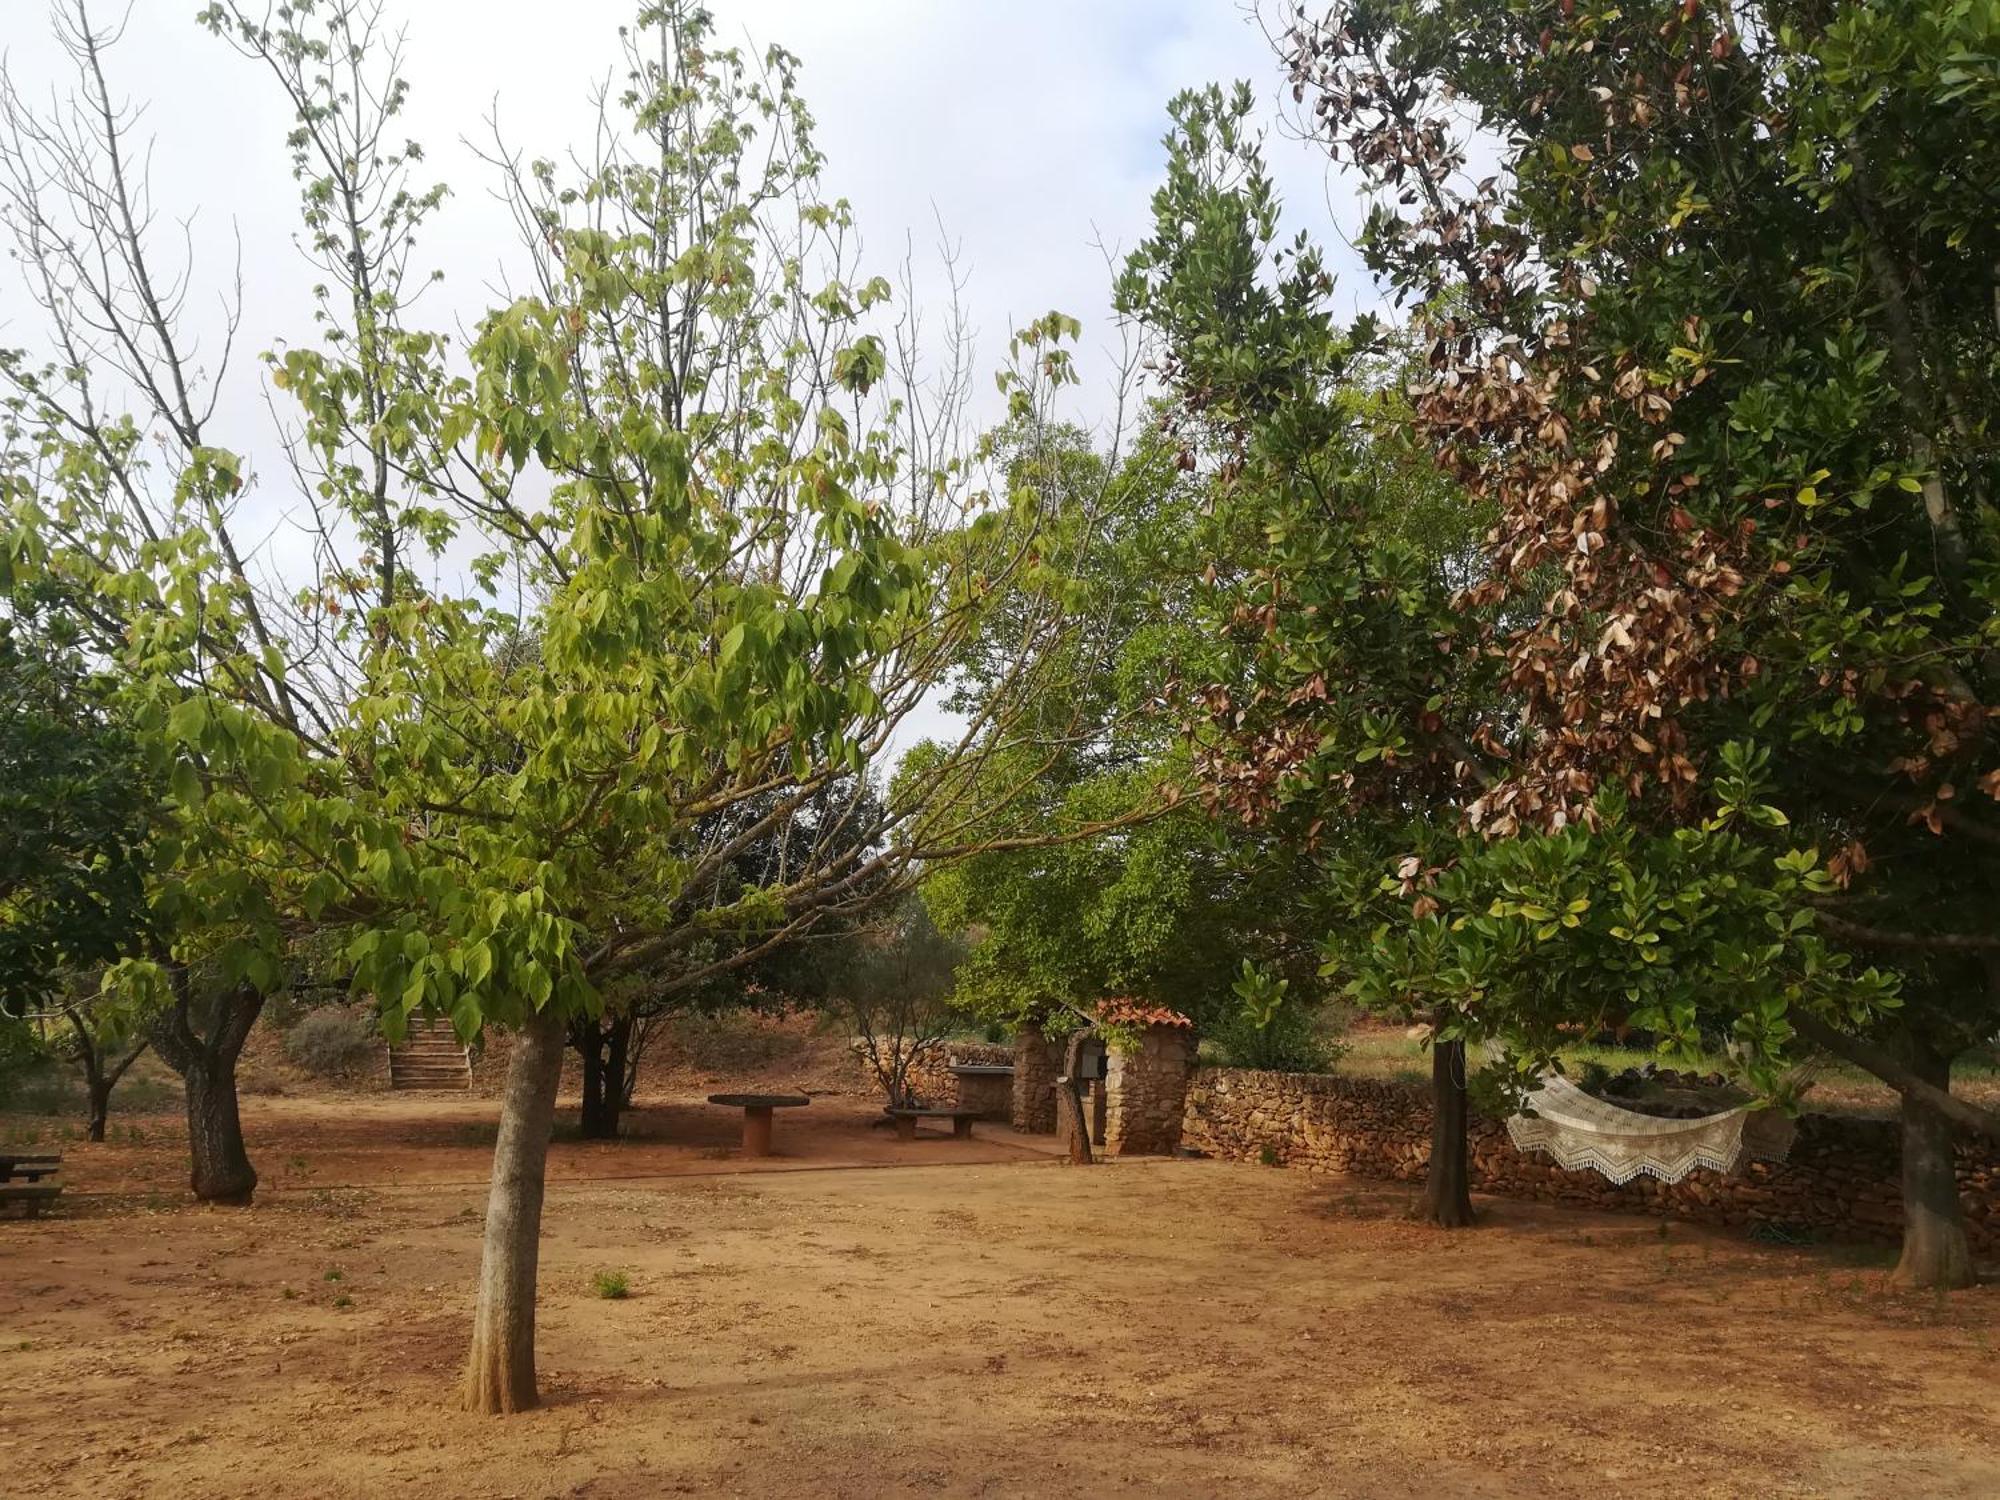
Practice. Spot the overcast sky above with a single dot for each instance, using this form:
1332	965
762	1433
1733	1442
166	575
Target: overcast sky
1030	129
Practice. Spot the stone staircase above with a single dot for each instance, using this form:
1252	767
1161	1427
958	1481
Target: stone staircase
430	1057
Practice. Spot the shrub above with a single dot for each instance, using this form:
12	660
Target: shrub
334	1043
1292	1041
22	1052
612	1286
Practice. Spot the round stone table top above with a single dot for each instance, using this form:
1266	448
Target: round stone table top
759	1101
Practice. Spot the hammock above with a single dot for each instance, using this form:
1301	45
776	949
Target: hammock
1585	1133
1581	1131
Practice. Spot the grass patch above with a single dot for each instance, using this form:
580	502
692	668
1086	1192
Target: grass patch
612	1286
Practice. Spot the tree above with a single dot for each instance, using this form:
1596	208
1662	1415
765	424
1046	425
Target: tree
696	471
76	810
1349	716
131	517
895	989
1714	342
612	1043
1162	909
77	807
104	1042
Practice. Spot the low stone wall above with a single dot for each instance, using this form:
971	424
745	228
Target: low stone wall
1840	1180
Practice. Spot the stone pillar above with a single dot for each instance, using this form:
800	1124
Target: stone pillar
1034	1081
1147	1094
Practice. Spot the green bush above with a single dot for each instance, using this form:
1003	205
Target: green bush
612	1286
1294	1040
22	1052
334	1042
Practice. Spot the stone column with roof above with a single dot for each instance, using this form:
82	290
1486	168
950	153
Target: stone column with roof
1147	1089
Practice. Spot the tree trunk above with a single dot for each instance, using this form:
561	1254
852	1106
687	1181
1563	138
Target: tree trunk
102	1082
100	1104
100	1074
604	1082
92	1061
1447	1199
1069	1097
220	1166
500	1370
1936	1253
617	1086
588	1040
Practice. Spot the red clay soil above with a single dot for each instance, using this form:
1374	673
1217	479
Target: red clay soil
387	1141
988	1323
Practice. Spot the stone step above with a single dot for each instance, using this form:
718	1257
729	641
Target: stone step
430	1058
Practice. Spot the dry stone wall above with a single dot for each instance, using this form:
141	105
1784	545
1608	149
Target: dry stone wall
1840	1180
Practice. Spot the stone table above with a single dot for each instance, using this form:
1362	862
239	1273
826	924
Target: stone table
757	1110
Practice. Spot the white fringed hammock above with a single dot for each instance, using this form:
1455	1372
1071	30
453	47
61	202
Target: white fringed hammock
1587	1134
1583	1132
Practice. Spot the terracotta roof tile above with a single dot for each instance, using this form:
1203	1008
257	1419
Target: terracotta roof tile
1125	1011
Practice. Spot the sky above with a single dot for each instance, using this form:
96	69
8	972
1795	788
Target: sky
1026	132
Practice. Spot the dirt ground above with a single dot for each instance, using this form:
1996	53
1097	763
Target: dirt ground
864	1318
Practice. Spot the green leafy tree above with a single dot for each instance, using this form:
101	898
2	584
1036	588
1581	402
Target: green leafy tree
77	808
722	546
1162	907
892	980
76	811
1349	717
1370	717
1714	341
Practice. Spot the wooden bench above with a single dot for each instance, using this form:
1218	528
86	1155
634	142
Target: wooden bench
906	1121
21	1177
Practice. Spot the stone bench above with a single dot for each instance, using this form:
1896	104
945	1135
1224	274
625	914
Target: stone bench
906	1120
